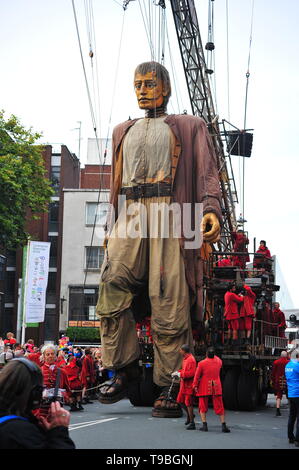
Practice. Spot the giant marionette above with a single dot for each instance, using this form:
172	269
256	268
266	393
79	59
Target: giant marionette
159	161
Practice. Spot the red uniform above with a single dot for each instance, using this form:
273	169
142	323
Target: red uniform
207	375
72	371
279	319
231	311
49	380
88	372
263	250
10	341
224	262
187	375
247	309
35	357
240	245
278	376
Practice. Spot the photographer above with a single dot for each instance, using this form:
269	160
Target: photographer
20	393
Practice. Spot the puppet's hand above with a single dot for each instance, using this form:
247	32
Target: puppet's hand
211	223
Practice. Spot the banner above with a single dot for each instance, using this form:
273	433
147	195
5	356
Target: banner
36	281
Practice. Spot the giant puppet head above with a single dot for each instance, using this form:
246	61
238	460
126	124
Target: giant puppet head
152	87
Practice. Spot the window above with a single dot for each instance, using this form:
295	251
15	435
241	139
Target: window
94	256
101	210
53	216
11	258
55	178
53	252
50	325
51	288
82	307
10	287
2	267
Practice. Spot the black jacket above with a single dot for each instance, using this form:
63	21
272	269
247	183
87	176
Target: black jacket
19	434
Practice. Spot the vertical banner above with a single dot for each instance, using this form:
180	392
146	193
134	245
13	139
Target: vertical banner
36	281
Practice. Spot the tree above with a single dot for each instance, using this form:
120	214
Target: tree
23	185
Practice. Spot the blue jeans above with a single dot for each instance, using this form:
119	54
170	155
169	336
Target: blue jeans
294	414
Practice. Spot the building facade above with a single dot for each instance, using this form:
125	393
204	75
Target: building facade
82	255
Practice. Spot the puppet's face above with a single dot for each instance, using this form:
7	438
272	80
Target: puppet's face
150	90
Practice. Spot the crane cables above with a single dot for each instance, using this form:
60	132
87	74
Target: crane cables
246	105
210	48
90	28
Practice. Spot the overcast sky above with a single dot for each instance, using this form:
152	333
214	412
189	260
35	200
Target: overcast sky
42	82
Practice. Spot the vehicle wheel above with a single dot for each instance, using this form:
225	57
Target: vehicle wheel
247	392
263	397
134	394
144	392
230	388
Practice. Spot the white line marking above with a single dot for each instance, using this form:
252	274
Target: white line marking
92	423
85	422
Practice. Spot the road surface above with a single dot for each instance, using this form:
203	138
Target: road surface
122	426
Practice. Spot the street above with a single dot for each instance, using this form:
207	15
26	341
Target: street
122	426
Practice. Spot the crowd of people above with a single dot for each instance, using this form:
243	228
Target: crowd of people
80	370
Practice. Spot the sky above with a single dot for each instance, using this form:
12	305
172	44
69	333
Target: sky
42	82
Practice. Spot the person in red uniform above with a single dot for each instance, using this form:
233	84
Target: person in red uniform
50	370
207	384
240	246
10	340
278	379
262	261
88	375
186	375
247	312
36	357
73	371
279	320
231	312
224	262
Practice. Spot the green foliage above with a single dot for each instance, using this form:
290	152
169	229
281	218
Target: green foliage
83	334
23	185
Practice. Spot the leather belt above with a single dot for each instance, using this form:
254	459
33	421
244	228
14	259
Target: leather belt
147	190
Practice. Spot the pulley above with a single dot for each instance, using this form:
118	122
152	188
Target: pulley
210	46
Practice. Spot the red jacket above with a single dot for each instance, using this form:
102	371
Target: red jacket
224	262
278	317
49	377
240	245
262	251
277	373
73	371
231	300
187	374
35	357
88	372
247	308
207	375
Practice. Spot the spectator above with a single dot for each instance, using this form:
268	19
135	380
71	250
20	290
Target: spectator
21	392
292	377
54	377
1	345
10	339
73	370
88	375
278	379
29	346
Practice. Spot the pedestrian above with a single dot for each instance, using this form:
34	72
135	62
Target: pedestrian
207	384
292	377
231	313
10	340
21	392
186	376
88	375
72	370
278	379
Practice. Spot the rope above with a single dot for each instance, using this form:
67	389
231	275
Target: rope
89	21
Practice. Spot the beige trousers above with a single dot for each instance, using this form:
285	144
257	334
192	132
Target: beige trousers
129	264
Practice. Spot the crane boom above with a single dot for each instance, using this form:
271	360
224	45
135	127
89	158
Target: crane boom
198	84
